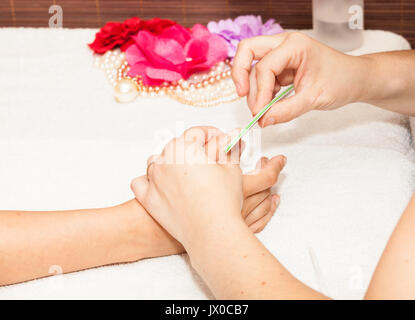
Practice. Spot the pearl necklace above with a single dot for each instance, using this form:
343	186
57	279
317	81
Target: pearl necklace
204	89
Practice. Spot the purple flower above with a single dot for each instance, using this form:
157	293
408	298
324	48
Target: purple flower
243	27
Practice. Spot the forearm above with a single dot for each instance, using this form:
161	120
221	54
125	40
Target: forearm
390	81
235	265
33	242
394	277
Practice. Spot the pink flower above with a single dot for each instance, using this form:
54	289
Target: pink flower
174	54
115	34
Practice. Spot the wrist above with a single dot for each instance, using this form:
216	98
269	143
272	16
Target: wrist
141	236
123	226
363	72
208	239
378	83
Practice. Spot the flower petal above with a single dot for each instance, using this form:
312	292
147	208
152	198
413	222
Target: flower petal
139	69
178	33
133	55
159	51
199	31
217	50
162	74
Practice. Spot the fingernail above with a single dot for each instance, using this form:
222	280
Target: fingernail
238	87
269	122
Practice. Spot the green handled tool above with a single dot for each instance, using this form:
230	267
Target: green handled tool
277	98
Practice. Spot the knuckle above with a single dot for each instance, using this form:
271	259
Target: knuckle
260	67
171	145
190	130
296	36
193	134
272	177
260	228
133	184
301	40
243	44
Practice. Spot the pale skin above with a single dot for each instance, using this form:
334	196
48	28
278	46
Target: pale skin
320	76
33	243
232	243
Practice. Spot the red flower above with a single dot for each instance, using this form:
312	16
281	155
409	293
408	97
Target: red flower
174	54
117	34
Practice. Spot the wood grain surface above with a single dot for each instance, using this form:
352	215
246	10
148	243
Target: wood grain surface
393	15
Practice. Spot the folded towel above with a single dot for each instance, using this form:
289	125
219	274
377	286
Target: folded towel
66	144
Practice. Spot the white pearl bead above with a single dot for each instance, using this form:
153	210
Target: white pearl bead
125	91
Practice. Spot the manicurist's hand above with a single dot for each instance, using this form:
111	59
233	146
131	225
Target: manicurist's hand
323	77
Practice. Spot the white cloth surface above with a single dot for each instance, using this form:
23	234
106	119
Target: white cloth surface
65	143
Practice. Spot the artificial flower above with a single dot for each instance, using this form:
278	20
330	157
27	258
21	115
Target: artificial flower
118	34
174	54
233	31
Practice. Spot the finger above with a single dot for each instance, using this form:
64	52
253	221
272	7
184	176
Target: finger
251	99
216	140
216	148
154	158
150	161
261	163
266	81
252	95
286	110
140	186
271	66
259	211
173	152
275	203
190	145
286	78
265	177
234	155
248	51
250	203
260	224
197	135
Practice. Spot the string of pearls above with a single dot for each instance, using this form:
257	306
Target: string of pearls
203	89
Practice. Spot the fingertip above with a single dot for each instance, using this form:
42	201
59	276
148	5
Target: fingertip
280	160
276	200
240	79
264	161
269	121
241	89
261	163
139	187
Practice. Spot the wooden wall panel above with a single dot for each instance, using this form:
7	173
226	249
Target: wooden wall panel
394	15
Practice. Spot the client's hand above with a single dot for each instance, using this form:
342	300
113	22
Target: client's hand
259	204
174	192
195	192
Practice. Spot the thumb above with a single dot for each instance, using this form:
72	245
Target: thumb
140	186
286	110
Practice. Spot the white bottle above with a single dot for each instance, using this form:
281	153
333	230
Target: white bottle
339	23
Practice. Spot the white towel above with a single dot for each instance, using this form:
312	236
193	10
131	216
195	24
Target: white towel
66	144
